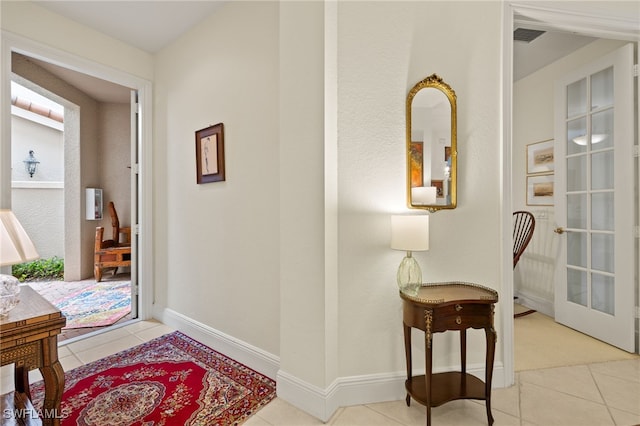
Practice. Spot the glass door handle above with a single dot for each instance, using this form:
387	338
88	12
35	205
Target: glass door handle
559	230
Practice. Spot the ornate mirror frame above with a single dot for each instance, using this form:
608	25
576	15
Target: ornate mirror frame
448	185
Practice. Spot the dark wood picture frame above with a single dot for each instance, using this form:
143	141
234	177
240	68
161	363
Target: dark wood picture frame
439	187
210	154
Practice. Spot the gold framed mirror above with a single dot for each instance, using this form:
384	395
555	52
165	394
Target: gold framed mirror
432	148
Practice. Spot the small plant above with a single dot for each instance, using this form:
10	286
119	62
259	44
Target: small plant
40	270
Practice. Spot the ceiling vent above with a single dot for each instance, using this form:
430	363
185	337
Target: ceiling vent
526	35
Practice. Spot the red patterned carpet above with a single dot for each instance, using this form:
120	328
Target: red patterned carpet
171	380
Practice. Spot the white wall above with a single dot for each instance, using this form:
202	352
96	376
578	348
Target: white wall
47	144
533	121
114	161
219	257
384	49
38	201
374	58
309	288
254	257
217	251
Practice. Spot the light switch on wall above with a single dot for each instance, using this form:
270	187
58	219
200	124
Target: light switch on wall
541	214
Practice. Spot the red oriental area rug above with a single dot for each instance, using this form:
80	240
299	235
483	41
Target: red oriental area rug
171	380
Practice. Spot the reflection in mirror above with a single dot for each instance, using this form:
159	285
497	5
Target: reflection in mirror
431	145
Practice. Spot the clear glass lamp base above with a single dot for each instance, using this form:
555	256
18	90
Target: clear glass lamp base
409	275
9	293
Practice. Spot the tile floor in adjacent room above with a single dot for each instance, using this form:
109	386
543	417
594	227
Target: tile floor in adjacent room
598	394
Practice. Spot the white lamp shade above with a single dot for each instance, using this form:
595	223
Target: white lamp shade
410	233
15	245
423	195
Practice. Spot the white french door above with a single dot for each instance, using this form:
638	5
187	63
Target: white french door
594	198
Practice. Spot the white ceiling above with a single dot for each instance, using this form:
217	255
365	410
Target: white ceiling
100	90
548	48
152	25
147	25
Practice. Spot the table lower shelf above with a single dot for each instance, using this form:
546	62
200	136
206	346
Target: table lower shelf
446	387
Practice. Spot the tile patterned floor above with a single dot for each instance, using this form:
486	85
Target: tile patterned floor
598	394
590	395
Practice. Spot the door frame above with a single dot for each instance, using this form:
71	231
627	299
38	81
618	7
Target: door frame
15	43
575	19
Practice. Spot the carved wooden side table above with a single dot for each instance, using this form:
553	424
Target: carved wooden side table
28	339
437	308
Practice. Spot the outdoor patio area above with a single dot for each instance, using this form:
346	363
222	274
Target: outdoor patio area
86	302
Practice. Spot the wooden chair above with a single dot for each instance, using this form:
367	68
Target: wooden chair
523	226
108	255
117	230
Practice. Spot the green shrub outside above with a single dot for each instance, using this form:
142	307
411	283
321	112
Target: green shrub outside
39	270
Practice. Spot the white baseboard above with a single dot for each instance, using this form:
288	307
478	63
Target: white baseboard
358	390
254	358
538	303
318	402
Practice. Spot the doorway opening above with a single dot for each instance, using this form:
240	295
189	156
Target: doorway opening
94	148
526	130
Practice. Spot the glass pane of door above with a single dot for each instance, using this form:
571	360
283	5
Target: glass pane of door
577	136
602	170
577	286
577	249
577	98
602	89
602	252
602	211
576	211
602	293
602	129
577	173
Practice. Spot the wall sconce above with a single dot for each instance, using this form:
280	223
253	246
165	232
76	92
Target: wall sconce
31	164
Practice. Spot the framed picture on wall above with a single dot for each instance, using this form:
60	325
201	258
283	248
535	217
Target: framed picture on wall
540	157
210	154
540	190
439	188
416	164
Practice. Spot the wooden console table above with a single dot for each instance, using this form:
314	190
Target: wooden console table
438	308
28	339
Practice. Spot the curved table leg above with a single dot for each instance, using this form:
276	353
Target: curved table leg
53	377
407	354
491	347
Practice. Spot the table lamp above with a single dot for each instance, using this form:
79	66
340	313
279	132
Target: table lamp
409	233
15	247
424	195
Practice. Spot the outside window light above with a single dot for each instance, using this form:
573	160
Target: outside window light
31	164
